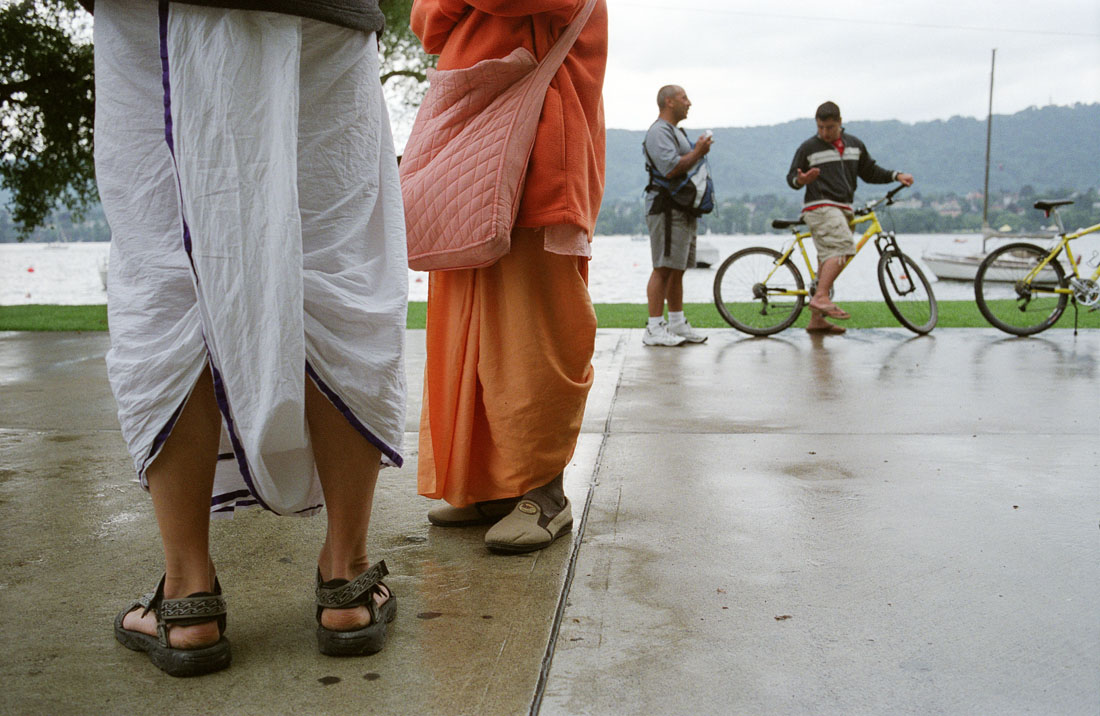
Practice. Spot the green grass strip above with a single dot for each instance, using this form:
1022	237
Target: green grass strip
865	314
53	318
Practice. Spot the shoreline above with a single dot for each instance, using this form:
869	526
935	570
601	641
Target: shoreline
865	314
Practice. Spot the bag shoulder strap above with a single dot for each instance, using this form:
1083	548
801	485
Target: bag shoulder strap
550	64
650	165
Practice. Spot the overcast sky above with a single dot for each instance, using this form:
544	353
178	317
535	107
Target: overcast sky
750	63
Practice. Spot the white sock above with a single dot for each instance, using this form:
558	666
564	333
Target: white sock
675	318
654	321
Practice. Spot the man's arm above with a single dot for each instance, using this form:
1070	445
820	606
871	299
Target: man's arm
872	173
663	151
796	177
687	161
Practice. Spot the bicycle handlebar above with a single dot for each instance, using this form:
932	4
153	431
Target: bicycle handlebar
895	190
888	198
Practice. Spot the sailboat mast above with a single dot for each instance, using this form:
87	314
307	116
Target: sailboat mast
988	137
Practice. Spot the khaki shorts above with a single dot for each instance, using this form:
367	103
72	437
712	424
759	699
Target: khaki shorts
679	254
831	230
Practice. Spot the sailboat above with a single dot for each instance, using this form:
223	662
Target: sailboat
963	267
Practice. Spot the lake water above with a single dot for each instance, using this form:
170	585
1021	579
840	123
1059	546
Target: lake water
68	274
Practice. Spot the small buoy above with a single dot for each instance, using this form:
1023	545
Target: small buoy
30	269
419	280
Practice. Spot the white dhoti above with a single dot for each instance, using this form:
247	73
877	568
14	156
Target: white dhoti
247	171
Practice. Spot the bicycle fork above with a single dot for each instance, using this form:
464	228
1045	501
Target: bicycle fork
896	270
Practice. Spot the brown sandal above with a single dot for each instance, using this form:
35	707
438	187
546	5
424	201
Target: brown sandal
344	594
198	608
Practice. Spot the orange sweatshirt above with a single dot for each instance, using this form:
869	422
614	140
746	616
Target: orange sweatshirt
564	183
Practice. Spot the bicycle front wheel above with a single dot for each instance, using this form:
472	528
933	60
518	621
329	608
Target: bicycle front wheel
1010	301
907	292
756	294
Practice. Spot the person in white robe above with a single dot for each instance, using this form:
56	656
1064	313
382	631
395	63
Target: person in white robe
257	296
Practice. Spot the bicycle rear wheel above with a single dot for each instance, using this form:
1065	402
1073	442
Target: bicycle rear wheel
907	292
757	296
1009	301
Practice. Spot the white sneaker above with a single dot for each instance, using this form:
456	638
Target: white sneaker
660	336
687	332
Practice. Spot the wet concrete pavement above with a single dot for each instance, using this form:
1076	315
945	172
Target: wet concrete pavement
867	524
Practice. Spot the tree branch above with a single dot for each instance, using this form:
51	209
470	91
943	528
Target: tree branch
418	76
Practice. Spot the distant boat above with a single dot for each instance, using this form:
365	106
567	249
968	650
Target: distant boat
706	254
963	267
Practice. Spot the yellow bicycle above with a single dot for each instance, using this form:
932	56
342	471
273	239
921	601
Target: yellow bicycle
1023	288
760	291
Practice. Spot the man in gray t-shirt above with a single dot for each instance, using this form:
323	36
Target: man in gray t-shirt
669	154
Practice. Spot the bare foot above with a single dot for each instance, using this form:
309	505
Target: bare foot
829	309
196	636
351	619
818	324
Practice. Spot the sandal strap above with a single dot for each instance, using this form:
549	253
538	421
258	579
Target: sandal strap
197	608
341	593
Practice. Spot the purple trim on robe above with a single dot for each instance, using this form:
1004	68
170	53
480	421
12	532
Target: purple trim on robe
162	436
235	495
373	439
162	11
232	507
238	449
219	386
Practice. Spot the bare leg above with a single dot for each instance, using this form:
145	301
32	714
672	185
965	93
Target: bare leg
348	467
820	301
675	290
181	482
657	291
826	276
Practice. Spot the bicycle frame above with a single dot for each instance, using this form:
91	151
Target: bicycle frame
865	215
1062	245
760	291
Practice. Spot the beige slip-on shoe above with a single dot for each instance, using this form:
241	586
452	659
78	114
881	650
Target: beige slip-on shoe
527	529
479	513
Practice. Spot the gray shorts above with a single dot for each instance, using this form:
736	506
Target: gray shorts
832	233
679	251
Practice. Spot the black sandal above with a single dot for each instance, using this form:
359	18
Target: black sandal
197	608
343	594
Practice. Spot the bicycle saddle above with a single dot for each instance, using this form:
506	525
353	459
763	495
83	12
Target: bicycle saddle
786	223
1045	205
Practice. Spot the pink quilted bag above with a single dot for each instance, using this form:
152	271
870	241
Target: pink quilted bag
464	164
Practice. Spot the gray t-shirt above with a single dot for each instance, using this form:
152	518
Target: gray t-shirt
664	145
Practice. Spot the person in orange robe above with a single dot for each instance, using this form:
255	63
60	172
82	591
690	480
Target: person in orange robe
509	347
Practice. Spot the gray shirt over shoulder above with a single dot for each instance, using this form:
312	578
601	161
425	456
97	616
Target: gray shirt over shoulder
664	145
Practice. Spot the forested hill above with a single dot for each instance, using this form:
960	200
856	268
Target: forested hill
1049	148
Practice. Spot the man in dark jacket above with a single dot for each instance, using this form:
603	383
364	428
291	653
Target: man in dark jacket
827	165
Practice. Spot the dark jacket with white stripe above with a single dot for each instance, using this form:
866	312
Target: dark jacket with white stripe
836	185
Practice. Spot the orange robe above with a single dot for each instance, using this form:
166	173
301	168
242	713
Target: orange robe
509	347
